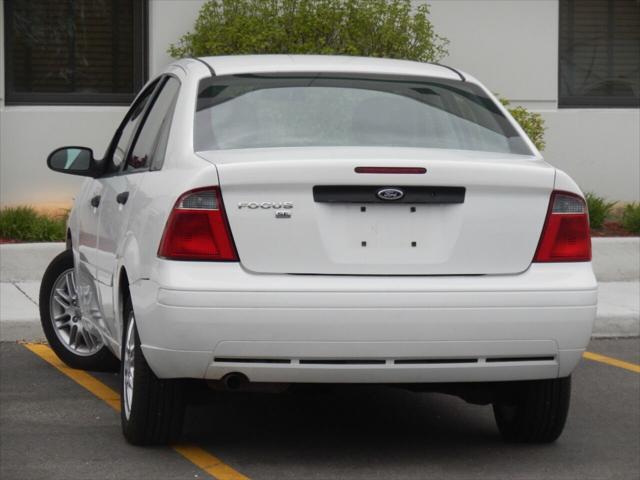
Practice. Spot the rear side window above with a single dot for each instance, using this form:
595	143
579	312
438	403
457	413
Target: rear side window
149	148
297	110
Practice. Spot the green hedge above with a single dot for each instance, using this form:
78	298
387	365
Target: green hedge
26	225
599	209
631	217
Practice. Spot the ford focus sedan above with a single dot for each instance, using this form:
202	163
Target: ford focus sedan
260	220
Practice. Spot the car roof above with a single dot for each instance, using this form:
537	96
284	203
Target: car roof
242	64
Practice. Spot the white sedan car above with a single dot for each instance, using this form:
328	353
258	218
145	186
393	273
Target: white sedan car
284	219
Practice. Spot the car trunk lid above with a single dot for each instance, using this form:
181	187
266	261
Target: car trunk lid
307	211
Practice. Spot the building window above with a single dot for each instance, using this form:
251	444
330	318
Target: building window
599	53
74	52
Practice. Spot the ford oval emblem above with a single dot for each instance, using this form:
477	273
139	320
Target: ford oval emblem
390	194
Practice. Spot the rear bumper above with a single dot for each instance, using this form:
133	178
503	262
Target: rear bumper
205	320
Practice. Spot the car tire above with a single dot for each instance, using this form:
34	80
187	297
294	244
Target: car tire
533	411
151	409
74	340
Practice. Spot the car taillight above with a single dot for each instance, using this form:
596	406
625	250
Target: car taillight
197	229
565	236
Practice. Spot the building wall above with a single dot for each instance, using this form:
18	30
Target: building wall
168	21
29	133
511	45
599	148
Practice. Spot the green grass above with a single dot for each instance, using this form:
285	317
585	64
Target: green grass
599	209
631	217
25	224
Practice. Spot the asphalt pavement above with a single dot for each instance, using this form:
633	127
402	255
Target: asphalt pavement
51	428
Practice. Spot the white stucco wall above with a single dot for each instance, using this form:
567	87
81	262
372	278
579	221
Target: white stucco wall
599	148
511	45
168	21
28	134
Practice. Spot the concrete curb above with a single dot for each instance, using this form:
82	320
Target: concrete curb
616	259
618	310
21	331
616	263
26	261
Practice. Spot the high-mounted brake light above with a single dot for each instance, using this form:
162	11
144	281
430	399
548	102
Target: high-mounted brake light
409	170
565	236
197	229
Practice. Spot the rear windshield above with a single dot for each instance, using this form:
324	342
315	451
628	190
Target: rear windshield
321	109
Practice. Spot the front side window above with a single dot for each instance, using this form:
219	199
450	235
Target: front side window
599	53
74	51
298	110
124	136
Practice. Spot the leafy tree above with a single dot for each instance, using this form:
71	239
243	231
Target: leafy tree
372	28
532	123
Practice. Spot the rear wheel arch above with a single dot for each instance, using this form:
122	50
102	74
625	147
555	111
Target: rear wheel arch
123	286
121	294
130	258
126	273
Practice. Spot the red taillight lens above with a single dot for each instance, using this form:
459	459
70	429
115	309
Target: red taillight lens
565	236
197	229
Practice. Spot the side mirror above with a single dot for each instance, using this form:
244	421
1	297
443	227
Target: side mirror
74	161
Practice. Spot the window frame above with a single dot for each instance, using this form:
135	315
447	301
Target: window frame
152	89
140	68
162	81
586	101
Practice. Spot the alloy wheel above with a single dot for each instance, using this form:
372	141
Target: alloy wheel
72	329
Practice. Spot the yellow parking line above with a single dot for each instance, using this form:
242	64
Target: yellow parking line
196	455
596	357
82	378
207	462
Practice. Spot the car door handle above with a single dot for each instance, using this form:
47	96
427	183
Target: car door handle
122	198
95	201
